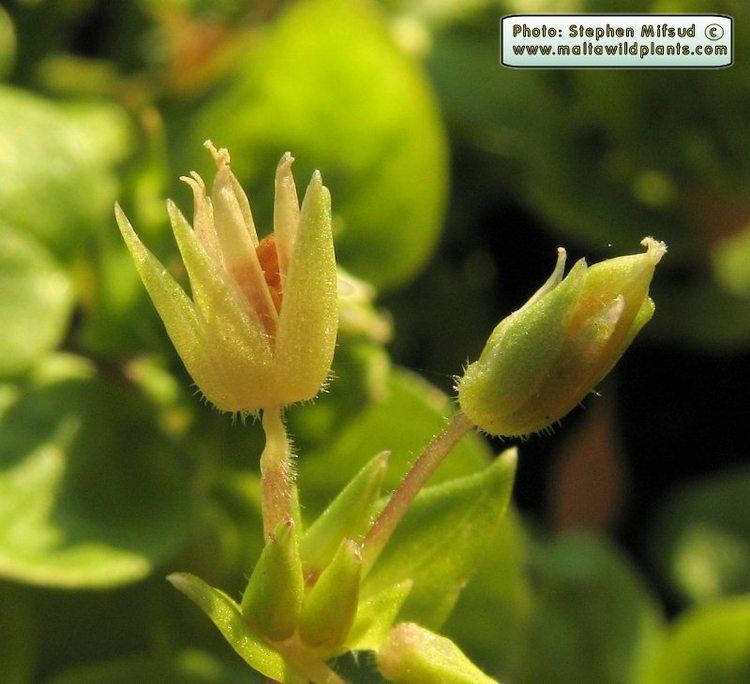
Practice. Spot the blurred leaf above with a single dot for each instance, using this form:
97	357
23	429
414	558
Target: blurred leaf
66	623
91	495
17	637
226	615
69	75
189	667
35	301
402	422
492	613
359	378
56	166
731	262
702	540
357	109
119	317
593	620
357	313
707	645
441	540
7	44
437	12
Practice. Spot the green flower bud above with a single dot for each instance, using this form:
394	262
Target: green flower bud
413	655
261	326
273	598
331	606
543	359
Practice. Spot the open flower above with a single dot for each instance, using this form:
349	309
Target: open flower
260	329
542	360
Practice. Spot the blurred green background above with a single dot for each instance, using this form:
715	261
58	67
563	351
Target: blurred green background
453	179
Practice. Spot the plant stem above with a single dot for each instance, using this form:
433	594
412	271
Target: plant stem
276	472
425	465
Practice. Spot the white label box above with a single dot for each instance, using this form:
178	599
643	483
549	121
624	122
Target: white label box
617	41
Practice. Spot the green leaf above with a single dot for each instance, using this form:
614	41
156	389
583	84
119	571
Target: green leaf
403	420
441	539
375	616
188	667
702	539
593	620
730	259
229	539
91	494
492	613
361	371
301	87
226	615
17	637
414	655
709	644
58	181
35	302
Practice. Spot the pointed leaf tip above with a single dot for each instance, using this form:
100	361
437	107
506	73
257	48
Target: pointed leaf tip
347	516
226	615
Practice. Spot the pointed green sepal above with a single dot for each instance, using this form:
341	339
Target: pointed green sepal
226	615
413	655
331	605
273	597
308	321
174	306
348	516
375	617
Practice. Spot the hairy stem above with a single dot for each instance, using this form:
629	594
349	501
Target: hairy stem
425	465
276	472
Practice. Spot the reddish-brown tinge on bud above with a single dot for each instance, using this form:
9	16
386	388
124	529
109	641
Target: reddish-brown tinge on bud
269	262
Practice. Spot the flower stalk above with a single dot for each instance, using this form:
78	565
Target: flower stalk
421	470
278	489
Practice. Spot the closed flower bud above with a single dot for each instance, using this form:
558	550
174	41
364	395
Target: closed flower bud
543	359
260	328
273	597
331	606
